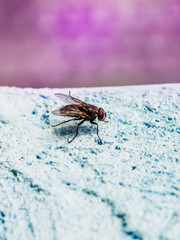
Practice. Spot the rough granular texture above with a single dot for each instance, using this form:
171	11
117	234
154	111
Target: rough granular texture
127	188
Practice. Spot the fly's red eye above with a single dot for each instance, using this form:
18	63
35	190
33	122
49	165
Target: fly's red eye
101	114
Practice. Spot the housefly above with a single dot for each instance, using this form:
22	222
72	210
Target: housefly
79	110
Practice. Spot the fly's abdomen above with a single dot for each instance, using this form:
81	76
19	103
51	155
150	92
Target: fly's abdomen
70	110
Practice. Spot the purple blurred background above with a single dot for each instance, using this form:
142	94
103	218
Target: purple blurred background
89	43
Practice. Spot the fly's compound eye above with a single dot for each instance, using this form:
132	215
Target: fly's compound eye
101	114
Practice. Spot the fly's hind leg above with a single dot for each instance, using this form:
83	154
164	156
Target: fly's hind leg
64	122
70	94
76	131
97	130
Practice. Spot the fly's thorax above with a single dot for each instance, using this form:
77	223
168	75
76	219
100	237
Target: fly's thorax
91	111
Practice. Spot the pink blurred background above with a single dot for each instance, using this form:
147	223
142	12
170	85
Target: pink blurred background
57	43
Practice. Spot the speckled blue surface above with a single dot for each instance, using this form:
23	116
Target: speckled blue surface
127	188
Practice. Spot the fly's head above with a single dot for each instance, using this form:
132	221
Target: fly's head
101	114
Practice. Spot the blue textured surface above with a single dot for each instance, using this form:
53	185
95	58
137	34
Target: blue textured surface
127	188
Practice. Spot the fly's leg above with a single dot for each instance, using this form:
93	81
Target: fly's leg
105	121
97	130
76	130
70	94
65	122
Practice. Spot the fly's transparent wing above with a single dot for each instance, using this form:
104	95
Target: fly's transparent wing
68	99
71	111
57	112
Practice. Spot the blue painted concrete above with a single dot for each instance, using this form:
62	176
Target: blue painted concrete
127	188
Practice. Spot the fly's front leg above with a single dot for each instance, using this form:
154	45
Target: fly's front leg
65	122
97	130
76	130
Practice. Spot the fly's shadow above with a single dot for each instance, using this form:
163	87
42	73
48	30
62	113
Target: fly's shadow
70	130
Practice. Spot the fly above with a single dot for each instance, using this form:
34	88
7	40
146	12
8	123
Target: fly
79	110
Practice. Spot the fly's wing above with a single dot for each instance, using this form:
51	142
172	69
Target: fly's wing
71	111
75	107
68	99
57	112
